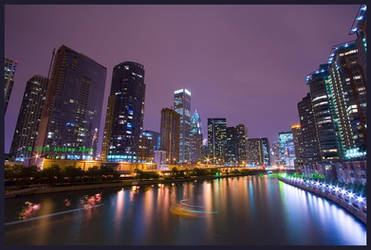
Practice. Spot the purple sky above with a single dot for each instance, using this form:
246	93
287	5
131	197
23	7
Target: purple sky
246	63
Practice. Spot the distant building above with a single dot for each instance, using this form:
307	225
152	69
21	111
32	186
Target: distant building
241	133
287	148
217	132
149	142
71	114
160	159
205	154
170	134
29	118
265	151
231	147
255	152
298	142
10	67
275	153
182	105
195	138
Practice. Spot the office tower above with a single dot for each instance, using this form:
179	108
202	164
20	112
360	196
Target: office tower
287	148
325	128
359	27
71	114
182	105
170	134
255	152
195	138
29	118
205	154
265	151
309	143
124	118
216	129
346	91
241	131
149	142
298	142
275	153
231	147
10	67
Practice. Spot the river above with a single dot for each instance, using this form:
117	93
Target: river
249	210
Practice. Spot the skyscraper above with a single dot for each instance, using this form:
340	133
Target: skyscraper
149	142
346	90
170	134
265	151
298	142
255	151
287	148
71	114
241	131
195	138
217	132
124	119
325	127
182	105
309	140
275	153
231	147
29	118
10	67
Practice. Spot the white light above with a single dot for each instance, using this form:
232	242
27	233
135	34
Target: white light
364	7
343	191
351	195
359	18
360	199
336	189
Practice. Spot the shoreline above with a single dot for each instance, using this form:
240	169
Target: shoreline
44	189
349	208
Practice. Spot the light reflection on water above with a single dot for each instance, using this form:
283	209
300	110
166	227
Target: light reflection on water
250	210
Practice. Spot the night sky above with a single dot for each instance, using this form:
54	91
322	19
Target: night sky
246	63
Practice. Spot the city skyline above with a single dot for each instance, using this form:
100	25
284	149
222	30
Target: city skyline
256	123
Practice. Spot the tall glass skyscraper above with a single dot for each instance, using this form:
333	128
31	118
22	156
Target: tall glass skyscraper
217	133
10	67
241	131
231	147
195	138
71	114
182	105
287	148
29	118
124	119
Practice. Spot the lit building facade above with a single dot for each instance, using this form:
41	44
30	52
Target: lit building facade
321	105
195	138
149	143
29	118
241	131
10	67
170	134
275	153
298	142
231	147
217	132
71	114
124	118
182	105
255	152
265	151
287	148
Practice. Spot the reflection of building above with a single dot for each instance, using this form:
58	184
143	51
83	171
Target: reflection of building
258	151
9	73
241	131
296	134
29	118
72	110
149	142
170	134
195	138
124	119
287	148
182	105
231	150
217	129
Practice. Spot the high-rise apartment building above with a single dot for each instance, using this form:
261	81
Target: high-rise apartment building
241	131
231	147
170	134
287	148
182	105
10	67
195	138
149	143
217	132
29	118
298	142
321	105
71	114
124	118
275	153
265	151
255	152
